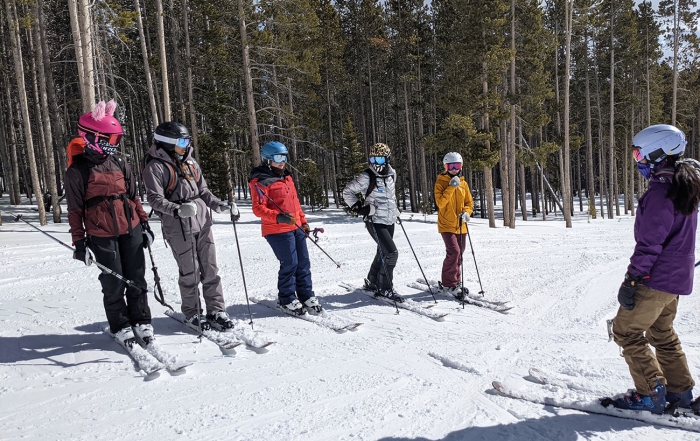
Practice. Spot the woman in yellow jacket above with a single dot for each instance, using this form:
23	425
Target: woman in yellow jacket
455	206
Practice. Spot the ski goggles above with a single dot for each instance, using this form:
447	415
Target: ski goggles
637	154
453	166
279	158
379	160
182	143
113	139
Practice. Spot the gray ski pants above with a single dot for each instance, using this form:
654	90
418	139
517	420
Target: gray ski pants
205	261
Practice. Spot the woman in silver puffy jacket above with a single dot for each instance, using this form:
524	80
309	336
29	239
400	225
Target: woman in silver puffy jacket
372	195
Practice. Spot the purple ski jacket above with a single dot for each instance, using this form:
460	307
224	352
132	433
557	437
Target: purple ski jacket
665	247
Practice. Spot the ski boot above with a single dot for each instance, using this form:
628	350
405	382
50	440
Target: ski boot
369	286
654	403
676	400
144	331
390	294
221	320
126	337
455	291
313	306
199	321
293	308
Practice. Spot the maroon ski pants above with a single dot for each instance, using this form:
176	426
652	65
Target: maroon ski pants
451	266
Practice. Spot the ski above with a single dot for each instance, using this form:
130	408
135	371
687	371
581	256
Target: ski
169	360
145	361
545	396
225	342
407	304
241	331
497	306
325	319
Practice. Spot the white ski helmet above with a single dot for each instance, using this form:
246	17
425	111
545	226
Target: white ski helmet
452	158
657	142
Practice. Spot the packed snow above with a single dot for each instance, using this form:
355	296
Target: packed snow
396	377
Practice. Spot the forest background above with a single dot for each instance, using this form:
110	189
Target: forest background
539	97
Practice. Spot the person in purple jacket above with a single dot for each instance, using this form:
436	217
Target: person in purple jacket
660	270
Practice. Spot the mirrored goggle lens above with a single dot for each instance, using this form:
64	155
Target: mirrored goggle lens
183	142
379	160
637	155
112	139
279	158
453	166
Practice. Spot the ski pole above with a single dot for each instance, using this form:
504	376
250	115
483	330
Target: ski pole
240	260
398	220
158	290
18	217
195	273
381	255
475	265
461	256
298	226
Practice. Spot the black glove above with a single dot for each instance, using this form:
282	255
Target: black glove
83	253
147	234
626	293
305	227
286	218
362	210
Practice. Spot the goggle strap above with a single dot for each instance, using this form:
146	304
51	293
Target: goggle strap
166	139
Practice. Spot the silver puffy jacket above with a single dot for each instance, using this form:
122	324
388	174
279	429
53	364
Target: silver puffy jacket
383	197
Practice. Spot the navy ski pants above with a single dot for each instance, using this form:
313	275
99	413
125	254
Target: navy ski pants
295	267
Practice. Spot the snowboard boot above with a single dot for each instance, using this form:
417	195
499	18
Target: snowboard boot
200	322
220	320
654	403
126	337
369	286
293	308
144	331
390	294
683	399
313	306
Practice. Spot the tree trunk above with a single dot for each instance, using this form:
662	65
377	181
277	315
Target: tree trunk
146	65
566	168
15	42
409	153
163	61
48	138
88	65
611	135
255	143
190	81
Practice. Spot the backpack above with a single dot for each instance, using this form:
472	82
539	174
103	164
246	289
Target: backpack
173	173
372	181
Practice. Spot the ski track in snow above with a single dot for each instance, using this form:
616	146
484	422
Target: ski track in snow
398	377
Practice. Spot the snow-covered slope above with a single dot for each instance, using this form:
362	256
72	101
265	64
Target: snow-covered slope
397	377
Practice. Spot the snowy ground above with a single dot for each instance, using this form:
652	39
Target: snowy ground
398	377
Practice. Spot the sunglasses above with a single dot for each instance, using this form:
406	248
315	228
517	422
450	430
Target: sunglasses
453	166
379	160
279	158
637	154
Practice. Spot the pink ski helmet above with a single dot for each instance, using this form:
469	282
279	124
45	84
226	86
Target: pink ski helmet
100	129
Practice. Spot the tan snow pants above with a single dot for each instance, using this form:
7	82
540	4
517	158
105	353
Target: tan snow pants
651	323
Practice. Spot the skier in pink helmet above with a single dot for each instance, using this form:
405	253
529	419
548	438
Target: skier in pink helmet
107	222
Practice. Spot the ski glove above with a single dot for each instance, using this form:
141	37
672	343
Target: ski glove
83	253
454	182
147	234
188	209
366	210
235	214
465	217
286	218
627	290
221	207
306	228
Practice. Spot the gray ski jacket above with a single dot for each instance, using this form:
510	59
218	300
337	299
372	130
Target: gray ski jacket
383	197
157	179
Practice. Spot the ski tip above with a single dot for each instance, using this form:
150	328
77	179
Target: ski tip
497	385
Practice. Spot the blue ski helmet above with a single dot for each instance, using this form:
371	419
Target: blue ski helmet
272	149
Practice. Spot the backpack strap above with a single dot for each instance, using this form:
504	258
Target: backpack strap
372	182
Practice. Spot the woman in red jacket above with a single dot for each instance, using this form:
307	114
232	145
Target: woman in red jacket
284	227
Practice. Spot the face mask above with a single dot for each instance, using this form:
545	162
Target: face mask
180	157
644	170
106	147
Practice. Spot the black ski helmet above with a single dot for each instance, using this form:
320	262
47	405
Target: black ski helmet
168	133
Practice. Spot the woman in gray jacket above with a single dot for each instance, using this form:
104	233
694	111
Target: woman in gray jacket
178	193
372	195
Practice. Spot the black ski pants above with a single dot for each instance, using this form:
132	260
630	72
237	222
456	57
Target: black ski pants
124	256
382	274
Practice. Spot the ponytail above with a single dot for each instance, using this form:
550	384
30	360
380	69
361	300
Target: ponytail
685	188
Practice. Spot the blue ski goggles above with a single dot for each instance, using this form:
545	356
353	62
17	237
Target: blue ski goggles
379	160
183	142
279	158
